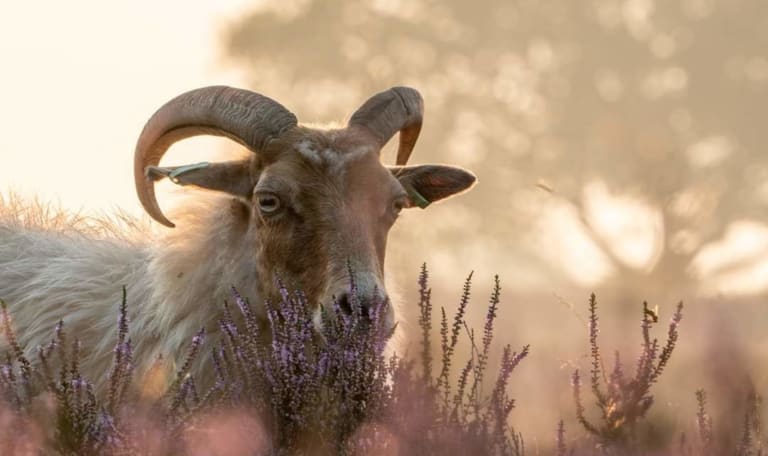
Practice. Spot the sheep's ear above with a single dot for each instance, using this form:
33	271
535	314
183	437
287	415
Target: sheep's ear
233	177
426	184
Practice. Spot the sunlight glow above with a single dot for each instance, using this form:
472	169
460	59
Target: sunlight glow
710	151
738	263
77	90
565	242
632	229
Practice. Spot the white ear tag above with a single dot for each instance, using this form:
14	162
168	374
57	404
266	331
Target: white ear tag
173	173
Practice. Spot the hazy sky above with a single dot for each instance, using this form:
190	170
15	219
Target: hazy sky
80	78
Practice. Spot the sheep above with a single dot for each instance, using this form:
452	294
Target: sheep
306	205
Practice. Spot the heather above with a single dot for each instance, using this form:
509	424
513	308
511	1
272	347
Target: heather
285	388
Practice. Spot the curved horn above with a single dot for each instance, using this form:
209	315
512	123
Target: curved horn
249	118
384	114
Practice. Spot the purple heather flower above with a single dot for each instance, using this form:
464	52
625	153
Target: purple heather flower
198	338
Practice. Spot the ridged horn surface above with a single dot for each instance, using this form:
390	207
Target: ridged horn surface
399	109
247	117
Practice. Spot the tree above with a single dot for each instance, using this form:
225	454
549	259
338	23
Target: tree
660	103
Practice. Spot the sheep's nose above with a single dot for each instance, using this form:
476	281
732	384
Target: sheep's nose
345	304
365	304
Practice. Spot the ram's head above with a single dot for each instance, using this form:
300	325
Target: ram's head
315	203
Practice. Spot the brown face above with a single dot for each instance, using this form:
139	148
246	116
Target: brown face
321	209
319	204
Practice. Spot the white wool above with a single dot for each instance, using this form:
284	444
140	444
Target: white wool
58	266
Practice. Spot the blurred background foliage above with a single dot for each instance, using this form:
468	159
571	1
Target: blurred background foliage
619	145
616	141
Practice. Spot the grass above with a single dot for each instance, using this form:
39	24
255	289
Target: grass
283	388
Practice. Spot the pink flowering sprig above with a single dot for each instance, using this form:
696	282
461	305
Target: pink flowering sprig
624	401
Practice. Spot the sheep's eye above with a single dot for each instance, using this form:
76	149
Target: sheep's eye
398	205
268	203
